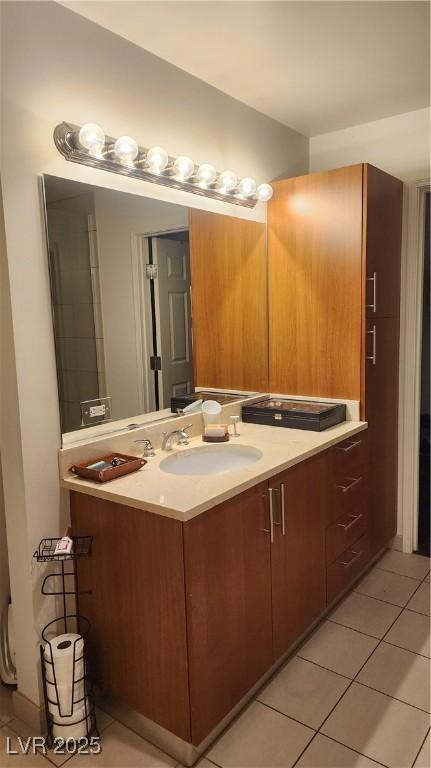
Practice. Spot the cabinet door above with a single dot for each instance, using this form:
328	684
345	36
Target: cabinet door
136	608
381	412
315	284
228	587
384	203
298	550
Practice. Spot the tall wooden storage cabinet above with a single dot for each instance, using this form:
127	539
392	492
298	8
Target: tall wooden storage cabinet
334	248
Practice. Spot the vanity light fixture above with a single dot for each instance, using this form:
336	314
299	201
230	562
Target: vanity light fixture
89	145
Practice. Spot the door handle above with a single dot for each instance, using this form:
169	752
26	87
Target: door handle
346	488
373	357
373	280
270	530
283	510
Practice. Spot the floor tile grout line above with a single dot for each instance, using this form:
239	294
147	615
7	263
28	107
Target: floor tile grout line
397	573
351	683
401	647
331	738
359	631
419	750
289	717
394	698
394	605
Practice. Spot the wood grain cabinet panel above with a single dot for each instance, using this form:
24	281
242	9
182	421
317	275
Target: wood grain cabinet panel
315	284
381	412
136	608
228	588
383	196
298	554
229	302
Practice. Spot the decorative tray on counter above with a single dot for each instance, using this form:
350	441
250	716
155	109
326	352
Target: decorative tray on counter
108	467
294	414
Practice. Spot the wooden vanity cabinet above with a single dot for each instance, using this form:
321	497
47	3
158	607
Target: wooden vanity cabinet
187	617
334	251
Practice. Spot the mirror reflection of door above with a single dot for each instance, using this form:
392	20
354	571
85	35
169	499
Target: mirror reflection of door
172	316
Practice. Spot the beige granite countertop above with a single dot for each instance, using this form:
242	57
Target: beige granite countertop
183	497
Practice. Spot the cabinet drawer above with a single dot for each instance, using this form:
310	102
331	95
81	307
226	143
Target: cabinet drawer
348	494
349	457
346	567
344	532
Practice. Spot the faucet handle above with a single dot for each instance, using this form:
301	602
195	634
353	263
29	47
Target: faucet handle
235	420
184	438
148	448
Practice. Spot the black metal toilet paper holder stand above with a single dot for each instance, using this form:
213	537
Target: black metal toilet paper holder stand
82	691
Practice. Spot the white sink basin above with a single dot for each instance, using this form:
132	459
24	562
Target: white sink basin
210	460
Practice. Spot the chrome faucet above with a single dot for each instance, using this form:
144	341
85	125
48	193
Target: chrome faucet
148	448
180	434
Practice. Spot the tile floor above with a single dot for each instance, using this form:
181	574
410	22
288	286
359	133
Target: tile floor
355	695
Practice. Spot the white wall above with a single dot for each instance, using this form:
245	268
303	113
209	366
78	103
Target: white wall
58	66
399	145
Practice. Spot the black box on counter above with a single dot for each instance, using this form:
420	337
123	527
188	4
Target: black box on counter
294	414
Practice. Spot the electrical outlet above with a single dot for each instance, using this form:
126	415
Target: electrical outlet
96	411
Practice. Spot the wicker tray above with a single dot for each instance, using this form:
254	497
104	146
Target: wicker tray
131	464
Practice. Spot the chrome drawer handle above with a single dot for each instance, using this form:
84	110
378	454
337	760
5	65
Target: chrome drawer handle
346	526
373	280
346	488
349	447
373	357
356	556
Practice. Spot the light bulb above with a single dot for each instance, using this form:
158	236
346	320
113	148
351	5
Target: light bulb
227	181
157	159
92	138
247	186
264	192
126	149
184	167
206	174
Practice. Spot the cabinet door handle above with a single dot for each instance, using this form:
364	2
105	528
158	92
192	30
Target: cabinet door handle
349	446
346	526
346	488
283	510
373	357
373	280
270	530
348	563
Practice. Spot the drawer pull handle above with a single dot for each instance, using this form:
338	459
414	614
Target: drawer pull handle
348	563
346	526
349	447
373	356
346	488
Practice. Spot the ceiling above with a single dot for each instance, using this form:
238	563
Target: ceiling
314	66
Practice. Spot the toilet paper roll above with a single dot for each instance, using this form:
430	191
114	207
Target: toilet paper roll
75	727
61	671
65	704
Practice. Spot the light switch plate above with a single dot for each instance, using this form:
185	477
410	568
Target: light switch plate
95	411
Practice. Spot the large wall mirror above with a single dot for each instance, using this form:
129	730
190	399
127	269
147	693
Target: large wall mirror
125	272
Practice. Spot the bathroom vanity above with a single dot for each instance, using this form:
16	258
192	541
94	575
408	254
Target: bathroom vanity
195	599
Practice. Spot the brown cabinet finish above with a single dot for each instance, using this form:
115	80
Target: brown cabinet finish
228	589
383	198
345	569
136	608
229	302
315	290
298	555
381	411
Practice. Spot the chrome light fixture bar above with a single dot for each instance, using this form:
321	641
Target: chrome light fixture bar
88	145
